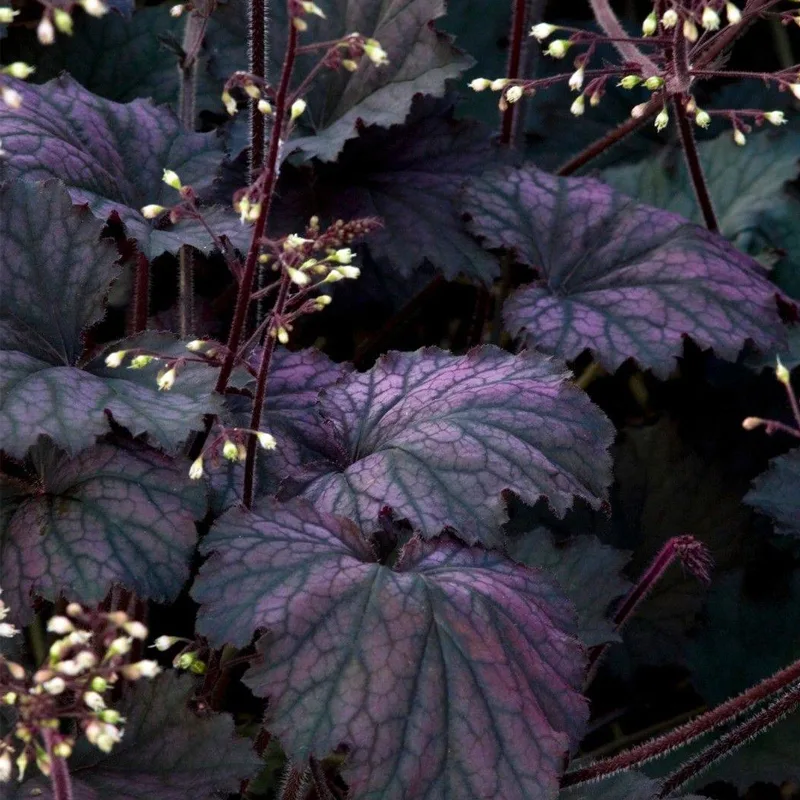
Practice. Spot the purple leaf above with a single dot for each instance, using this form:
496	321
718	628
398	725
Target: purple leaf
409	175
56	271
108	516
621	279
291	414
776	493
452	674
112	156
438	437
167	752
421	60
587	571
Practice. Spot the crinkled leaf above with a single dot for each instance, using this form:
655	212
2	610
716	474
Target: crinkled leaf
754	206
108	516
587	571
744	640
776	493
290	414
55	270
112	157
408	175
420	61
450	675
167	753
621	279
438	437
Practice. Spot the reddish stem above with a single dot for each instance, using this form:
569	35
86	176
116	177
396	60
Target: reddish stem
60	780
512	69
257	64
141	293
260	395
270	179
685	734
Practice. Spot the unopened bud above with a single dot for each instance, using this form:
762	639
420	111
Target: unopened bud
176	11
11	97
654	82
650	24
349	64
164	643
113	360
266	440
781	373
229	102
750	423
196	470
171	178
95	8
558	48
63	21
710	19
139	362
298	107
662	119
542	30
7	15
230	450
18	69
733	14
576	79
578	106
702	118
514	94
690	32
630	81
166	380
670	18
775	117
479	84
45	32
264	107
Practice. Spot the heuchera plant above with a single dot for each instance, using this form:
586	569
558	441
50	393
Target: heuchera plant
394	570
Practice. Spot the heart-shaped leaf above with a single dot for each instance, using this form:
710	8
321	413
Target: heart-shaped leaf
112	157
410	176
438	437
56	273
452	674
586	570
167	752
111	515
618	278
776	493
420	61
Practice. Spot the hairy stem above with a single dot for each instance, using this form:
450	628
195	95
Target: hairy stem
261	393
319	779
686	549
294	785
732	740
607	20
518	15
609	140
141	293
689	146
685	734
257	65
59	772
270	175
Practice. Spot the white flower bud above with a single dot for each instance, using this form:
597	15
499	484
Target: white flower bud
782	373
113	360
62	625
733	14
710	19
45	32
349	64
136	630
498	84
558	48
542	30
576	79
751	423
578	106
514	94
266	440
662	119
119	647
479	84
230	450
196	471
650	24
5	767
54	685
298	107
775	117
11	97
95	8
349	272
343	256
139	362
171	178
630	81
794	88
638	111
229	102
251	90
375	53
297	277
312	8
654	82
63	21
283	335
176	10
7	14
702	118
690	32
19	69
164	643
264	107
166	380
141	669
94	700
86	659
151	211
670	18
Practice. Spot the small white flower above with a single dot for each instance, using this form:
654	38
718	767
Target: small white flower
343	256
514	94
230	451
794	88
312	8
733	14
710	19
136	629
702	118
638	111
5	766
55	685
650	24
171	178
120	646
297	277
7	630
61	625
139	362
141	669
498	84
19	69
298	107
375	53
775	117
196	470
293	240
558	48
45	32
94	700
166	380
163	643
662	119
542	30
63	21
176	11
578	106
670	18
690	32
113	360
576	79
11	97
479	84
349	272
86	659
283	335
151	211
264	107
94	8
322	301
266	440
229	102
7	14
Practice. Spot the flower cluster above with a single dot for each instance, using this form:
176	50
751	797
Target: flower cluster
70	691
678	47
